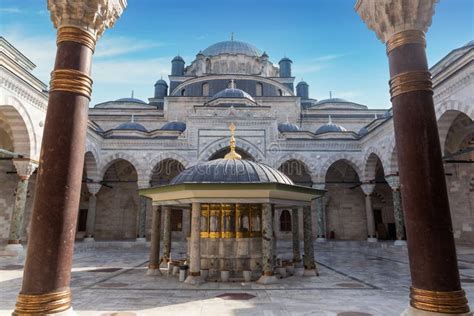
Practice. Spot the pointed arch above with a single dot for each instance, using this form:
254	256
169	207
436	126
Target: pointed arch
243	144
306	161
161	157
372	156
109	160
349	159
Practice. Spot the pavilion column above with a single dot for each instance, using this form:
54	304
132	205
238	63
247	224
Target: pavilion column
166	235
93	188
308	260
154	265
47	272
436	287
295	232
321	216
24	169
394	183
194	276
368	189
141	229
267	245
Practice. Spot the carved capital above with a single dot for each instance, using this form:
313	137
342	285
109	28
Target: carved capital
92	16
25	167
93	187
368	188
393	182
389	17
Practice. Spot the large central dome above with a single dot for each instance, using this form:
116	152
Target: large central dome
232	47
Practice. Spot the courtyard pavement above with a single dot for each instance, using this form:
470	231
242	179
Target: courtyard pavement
356	279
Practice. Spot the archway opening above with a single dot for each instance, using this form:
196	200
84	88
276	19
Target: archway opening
297	171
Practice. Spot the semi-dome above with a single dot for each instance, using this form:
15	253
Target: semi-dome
174	126
232	93
134	100
132	126
288	127
232	47
231	171
330	127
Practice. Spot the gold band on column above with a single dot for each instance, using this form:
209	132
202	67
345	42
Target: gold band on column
440	302
74	34
49	303
410	81
406	37
71	80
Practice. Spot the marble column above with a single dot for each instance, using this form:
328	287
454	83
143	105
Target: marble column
24	169
194	276
47	273
308	261
368	189
436	287
93	188
321	216
154	265
141	229
267	246
394	183
166	236
295	232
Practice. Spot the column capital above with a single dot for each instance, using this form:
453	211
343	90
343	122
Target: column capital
92	16
94	187
25	167
388	17
368	188
319	186
393	182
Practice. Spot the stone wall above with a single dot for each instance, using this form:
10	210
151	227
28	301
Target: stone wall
7	197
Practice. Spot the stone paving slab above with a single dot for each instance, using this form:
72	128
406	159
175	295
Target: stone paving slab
354	280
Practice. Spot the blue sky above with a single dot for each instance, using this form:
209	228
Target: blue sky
330	46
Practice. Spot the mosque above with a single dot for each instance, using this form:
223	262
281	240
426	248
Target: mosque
340	149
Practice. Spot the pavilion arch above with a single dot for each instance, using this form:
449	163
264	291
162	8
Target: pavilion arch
222	143
350	160
162	157
371	158
22	132
307	162
109	160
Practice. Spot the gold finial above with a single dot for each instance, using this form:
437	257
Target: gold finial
232	154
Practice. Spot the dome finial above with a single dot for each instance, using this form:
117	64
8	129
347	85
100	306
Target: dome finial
232	36
132	93
132	119
232	154
232	84
330	120
330	94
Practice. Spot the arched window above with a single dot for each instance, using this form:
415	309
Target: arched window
183	92
205	89
285	221
280	92
208	66
259	89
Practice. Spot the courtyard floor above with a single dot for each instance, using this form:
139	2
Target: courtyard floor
356	278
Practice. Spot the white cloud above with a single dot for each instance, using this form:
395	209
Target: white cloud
116	46
10	10
315	64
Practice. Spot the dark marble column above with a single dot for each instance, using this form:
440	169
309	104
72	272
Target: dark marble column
267	245
295	232
394	183
93	188
321	217
194	276
166	235
45	288
436	287
154	265
141	231
368	189
309	262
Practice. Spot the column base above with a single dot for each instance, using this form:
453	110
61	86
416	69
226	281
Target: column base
410	311
400	243
372	239
310	272
153	272
194	280
15	250
140	239
299	271
267	279
88	239
320	239
68	312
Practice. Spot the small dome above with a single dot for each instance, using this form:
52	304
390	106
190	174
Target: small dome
330	127
288	127
231	171
332	100
232	47
174	126
134	100
363	131
302	83
232	93
178	58
132	126
161	82
285	59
